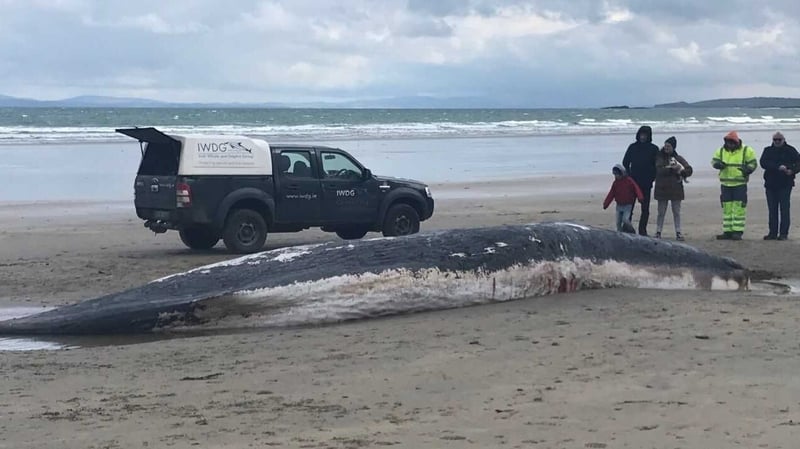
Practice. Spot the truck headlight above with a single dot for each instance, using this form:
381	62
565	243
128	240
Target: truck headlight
428	192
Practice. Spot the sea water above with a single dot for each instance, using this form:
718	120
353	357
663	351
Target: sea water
74	154
65	125
105	171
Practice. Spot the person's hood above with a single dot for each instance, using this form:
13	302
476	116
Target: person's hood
621	169
733	135
647	130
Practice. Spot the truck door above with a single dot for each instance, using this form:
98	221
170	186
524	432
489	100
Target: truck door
348	196
298	194
156	178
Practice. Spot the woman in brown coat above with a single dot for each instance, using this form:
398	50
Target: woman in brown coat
671	172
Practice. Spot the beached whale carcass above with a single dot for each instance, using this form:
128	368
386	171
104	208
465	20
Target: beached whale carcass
442	269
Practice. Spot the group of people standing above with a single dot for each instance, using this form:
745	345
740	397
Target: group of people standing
645	166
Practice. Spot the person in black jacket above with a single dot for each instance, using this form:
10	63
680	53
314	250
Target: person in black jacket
640	162
780	162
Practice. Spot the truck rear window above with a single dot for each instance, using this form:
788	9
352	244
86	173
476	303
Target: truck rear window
160	159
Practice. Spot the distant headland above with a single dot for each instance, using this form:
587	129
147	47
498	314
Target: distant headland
752	102
412	102
624	107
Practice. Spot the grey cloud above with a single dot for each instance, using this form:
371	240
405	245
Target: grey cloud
438	8
254	49
425	27
733	13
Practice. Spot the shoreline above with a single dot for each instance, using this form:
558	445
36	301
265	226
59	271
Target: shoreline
486	189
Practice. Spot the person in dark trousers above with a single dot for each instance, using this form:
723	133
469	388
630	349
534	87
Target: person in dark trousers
780	162
640	163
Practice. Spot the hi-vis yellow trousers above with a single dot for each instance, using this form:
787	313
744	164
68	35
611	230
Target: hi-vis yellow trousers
734	208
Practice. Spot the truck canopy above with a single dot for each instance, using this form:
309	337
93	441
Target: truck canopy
191	154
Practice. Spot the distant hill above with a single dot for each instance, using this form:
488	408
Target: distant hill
13	102
421	102
408	102
752	102
96	101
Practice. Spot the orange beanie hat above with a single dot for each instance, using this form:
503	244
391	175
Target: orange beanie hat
733	136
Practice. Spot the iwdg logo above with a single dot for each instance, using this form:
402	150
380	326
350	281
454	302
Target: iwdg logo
223	147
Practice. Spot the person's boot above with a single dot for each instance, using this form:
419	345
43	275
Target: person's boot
736	235
725	236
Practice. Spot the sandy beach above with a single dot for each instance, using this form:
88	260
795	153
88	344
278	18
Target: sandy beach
594	369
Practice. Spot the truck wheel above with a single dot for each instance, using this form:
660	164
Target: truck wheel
351	233
401	219
245	231
199	237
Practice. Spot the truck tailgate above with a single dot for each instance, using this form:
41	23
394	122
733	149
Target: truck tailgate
155	192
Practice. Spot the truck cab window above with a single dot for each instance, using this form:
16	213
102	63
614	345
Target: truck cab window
335	165
295	164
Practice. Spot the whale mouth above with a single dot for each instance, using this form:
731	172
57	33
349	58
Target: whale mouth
773	287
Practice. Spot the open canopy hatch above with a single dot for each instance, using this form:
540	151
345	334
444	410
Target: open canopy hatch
150	135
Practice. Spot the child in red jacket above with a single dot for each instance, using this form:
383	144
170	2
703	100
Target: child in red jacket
625	192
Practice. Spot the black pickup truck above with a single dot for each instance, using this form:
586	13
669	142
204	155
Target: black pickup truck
238	188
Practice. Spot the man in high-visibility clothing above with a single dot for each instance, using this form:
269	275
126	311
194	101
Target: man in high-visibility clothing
735	162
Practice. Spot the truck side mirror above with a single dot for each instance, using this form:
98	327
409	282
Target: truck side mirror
367	173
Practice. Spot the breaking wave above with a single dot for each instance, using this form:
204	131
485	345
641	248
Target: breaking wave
575	125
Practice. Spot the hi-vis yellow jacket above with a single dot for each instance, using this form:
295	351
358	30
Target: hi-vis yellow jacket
736	166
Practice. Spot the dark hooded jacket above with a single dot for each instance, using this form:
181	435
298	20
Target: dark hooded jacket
772	158
640	159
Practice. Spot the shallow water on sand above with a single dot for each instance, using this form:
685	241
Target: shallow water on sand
105	171
25	344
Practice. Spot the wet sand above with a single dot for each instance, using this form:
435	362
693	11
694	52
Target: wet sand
598	369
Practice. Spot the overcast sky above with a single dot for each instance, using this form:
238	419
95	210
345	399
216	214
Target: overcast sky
548	53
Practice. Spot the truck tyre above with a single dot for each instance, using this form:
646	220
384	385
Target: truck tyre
401	219
351	233
245	231
199	237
